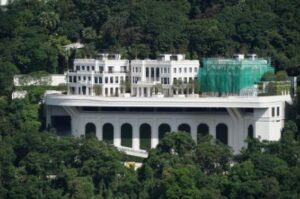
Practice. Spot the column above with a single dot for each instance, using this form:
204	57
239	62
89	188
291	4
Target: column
117	135
154	136
142	94
148	92
194	132
135	137
99	131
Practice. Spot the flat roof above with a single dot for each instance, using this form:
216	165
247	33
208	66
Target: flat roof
199	102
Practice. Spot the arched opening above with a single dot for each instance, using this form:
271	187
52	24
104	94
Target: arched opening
108	133
202	130
250	132
145	136
163	129
126	135
90	130
185	128
222	133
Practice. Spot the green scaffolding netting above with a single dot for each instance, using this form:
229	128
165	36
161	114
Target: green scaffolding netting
231	75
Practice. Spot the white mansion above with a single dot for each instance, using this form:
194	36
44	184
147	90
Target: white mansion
133	104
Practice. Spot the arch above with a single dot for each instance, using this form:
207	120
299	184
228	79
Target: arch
222	133
250	131
145	136
202	130
90	130
184	127
162	130
108	133
126	135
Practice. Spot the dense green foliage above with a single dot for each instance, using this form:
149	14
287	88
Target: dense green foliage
33	32
37	164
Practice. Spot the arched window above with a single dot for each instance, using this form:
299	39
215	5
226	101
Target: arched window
126	135
145	136
90	130
185	128
202	130
162	130
222	133
108	133
250	132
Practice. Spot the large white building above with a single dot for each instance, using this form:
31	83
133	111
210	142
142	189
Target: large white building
156	105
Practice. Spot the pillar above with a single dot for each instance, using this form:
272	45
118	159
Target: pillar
135	137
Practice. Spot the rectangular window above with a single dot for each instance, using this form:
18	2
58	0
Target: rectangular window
84	78
89	78
117	80
278	109
77	67
111	80
195	69
179	70
191	70
106	80
174	70
273	111
165	70
87	68
147	72
96	80
82	68
185	70
93	67
74	79
79	78
100	80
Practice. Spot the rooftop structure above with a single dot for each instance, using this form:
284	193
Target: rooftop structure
220	76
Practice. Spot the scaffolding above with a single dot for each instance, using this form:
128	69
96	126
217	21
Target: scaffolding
220	76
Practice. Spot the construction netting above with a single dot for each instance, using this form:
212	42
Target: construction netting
229	76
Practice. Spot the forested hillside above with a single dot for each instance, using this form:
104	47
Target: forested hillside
32	32
36	163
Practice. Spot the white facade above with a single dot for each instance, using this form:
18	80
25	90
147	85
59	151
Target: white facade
49	80
161	100
144	78
108	72
263	116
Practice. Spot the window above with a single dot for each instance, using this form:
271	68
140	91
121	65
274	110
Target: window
82	68
174	70
273	111
185	70
179	70
111	80
100	80
165	70
84	78
117	80
70	78
79	78
106	80
195	69
87	68
93	67
222	133
77	67
278	109
96	80
74	79
191	70
100	69
147	72
89	78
